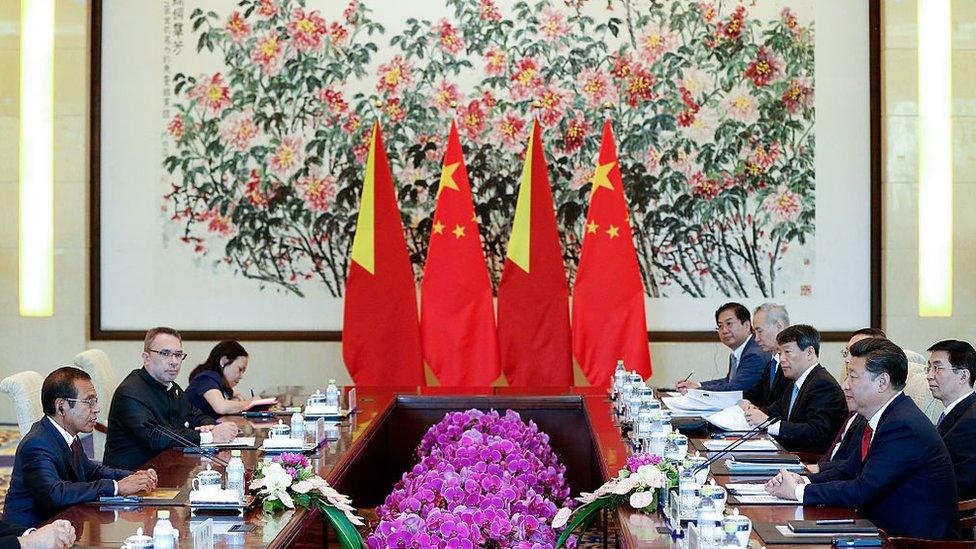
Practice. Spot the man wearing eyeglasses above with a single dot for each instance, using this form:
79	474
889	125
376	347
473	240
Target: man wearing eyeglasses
747	361
950	373
150	397
51	471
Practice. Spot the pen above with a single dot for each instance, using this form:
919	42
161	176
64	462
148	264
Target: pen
689	376
252	393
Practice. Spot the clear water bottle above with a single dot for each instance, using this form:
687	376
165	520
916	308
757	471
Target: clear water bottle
298	427
709	522
332	396
618	379
235	474
687	492
164	535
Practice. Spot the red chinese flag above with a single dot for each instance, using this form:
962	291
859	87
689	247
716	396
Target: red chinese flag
380	331
533	296
608	297
457	316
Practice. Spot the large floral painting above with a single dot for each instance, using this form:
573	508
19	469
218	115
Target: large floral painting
267	105
713	104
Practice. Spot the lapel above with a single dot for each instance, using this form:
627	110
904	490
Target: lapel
67	457
881	423
957	412
804	391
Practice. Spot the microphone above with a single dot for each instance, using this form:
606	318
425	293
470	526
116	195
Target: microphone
736	443
185	443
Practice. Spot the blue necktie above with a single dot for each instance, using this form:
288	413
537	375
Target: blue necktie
941	418
733	364
772	372
796	391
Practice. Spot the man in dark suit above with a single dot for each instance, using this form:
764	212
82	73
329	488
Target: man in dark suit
848	438
812	408
950	372
150	397
51	471
60	534
747	361
903	480
768	320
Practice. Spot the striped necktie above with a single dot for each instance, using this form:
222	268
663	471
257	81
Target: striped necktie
942	417
796	391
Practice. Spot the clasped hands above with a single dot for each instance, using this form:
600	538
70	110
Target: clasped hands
754	416
140	481
784	484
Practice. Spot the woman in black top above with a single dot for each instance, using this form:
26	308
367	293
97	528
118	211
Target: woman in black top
212	383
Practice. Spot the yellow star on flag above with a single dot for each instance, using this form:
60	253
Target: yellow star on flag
601	177
613	231
458	231
438	227
591	227
447	177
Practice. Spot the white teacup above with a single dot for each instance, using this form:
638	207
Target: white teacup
743	527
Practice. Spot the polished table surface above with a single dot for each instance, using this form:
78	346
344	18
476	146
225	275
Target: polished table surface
107	527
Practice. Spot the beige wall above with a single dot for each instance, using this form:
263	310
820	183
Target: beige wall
42	344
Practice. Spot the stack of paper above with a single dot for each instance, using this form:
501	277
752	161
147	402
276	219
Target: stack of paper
703	402
247	442
732	418
753	445
771	468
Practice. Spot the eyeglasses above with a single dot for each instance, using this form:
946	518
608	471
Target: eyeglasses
91	402
929	369
166	353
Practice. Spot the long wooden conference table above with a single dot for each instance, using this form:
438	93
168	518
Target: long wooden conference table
376	444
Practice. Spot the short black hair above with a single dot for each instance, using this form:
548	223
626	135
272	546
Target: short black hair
871	332
803	335
60	384
961	355
881	355
740	311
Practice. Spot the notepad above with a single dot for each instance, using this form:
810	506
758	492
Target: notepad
764	499
262	403
746	489
754	445
243	442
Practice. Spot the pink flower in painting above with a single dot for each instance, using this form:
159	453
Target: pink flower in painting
652	160
640	86
238	130
707	11
583	175
765	68
472	120
334	100
317	189
701	129
394	75
238	28
267	8
623	65
783	206
489	12
435	152
446	97
488	99
596	87
349	14
267	54
525	79
575	133
337	34
287	157
448	37
495	62
217	223
252	190
177	127
704	187
736	24
798	96
551	102
655	42
791	22
761	158
394	110
696	81
306	29
361	149
352	123
510	132
552	25
741	105
211	93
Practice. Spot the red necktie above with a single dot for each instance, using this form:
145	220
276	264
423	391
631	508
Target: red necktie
866	441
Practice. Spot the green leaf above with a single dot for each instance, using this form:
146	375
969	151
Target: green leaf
584	514
349	537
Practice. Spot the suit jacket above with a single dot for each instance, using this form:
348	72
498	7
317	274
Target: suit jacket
818	412
766	393
750	369
140	399
46	479
850	444
958	431
905	485
9	533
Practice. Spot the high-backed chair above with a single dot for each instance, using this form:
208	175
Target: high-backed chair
917	387
24	388
97	364
916	357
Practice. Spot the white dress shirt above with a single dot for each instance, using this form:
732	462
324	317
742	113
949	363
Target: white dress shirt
774	428
873	422
71	440
847	427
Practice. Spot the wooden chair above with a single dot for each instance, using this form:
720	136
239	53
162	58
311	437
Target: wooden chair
967	521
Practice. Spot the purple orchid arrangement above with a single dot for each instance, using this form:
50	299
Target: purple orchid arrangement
483	480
